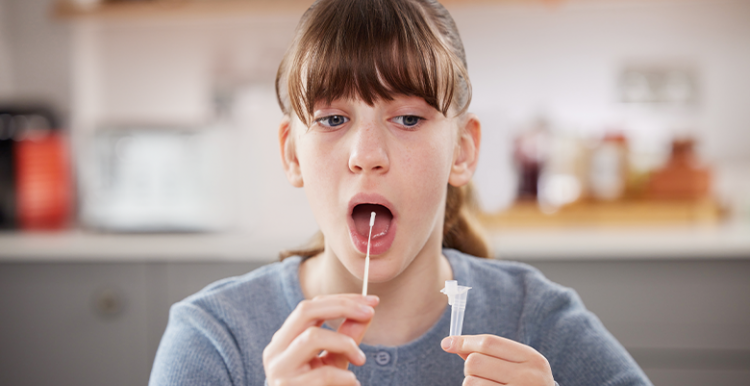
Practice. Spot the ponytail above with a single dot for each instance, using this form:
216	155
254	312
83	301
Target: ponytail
461	231
315	246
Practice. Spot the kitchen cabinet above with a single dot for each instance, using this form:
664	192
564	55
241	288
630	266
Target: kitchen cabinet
91	323
94	323
73	324
685	322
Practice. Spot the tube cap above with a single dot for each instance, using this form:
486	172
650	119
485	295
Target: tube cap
453	290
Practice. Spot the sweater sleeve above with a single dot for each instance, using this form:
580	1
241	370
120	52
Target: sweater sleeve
578	347
196	349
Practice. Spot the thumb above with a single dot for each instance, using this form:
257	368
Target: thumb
452	344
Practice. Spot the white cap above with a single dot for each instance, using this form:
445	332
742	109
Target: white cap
452	289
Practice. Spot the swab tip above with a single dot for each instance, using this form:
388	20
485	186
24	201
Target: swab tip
372	218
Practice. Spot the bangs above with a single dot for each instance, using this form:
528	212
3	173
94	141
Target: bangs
371	49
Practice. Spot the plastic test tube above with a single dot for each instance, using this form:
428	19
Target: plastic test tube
457	300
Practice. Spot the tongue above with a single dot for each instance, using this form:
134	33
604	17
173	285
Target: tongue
361	216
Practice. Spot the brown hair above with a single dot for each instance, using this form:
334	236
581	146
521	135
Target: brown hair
375	49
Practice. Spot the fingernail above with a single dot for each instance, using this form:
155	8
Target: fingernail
362	355
366	310
446	343
372	299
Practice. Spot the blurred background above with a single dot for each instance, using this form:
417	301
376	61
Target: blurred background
138	163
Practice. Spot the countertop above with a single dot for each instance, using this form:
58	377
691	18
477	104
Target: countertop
729	241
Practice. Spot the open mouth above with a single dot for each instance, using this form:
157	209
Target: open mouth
361	215
384	228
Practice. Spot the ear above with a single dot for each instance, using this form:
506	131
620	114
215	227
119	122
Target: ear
466	153
289	153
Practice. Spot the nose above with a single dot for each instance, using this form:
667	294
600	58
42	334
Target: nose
369	149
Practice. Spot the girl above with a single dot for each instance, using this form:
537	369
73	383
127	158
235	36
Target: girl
375	94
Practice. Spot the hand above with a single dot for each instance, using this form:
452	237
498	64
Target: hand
492	360
301	352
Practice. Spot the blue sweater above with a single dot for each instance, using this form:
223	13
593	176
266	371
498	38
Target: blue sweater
217	336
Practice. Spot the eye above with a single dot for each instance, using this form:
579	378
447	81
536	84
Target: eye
332	120
408	120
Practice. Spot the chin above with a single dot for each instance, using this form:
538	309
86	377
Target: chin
387	266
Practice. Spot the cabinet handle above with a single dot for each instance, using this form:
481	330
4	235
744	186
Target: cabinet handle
108	303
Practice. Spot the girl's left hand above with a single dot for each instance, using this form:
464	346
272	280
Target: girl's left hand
492	360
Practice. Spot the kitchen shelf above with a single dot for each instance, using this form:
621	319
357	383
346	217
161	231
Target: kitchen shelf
66	9
527	214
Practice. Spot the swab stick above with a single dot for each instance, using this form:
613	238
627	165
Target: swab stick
367	258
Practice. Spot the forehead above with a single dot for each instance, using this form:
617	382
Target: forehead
346	53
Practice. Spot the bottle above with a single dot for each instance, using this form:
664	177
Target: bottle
562	180
608	168
530	153
682	178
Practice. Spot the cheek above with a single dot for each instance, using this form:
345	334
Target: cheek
318	159
427	171
320	166
430	162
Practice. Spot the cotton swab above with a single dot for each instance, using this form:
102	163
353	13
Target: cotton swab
367	258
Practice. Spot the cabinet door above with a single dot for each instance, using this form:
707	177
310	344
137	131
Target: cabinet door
685	322
172	282
73	324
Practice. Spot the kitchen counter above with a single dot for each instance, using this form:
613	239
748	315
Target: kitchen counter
729	241
633	243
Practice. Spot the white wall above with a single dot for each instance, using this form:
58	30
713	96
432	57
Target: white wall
563	61
168	70
38	52
525	59
149	72
6	77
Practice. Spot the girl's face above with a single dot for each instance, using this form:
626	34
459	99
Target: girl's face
394	158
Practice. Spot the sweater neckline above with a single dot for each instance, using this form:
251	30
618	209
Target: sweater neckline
428	344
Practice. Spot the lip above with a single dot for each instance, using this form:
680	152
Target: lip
378	244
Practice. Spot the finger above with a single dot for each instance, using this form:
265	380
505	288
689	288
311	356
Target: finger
353	329
314	312
326	376
372	300
491	345
476	381
314	340
490	368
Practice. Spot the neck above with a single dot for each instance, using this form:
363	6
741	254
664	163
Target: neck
410	303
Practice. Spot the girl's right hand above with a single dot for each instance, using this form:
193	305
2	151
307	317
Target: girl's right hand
301	352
